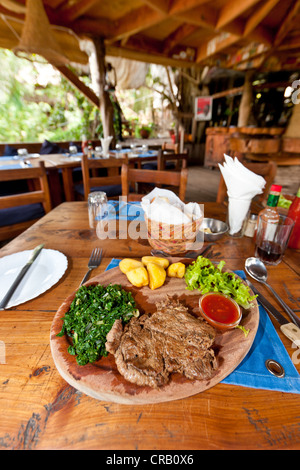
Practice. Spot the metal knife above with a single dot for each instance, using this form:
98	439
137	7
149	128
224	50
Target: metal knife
290	330
20	276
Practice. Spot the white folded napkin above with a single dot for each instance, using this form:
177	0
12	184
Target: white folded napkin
242	185
105	142
164	206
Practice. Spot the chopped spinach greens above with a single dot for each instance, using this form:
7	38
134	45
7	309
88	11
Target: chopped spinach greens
92	315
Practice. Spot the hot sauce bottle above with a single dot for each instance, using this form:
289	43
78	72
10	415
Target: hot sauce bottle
270	212
267	249
84	144
294	213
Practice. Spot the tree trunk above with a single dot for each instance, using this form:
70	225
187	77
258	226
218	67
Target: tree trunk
106	107
246	101
293	127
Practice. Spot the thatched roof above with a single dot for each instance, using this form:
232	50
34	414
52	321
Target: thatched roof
227	33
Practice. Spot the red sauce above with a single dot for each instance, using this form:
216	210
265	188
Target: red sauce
220	309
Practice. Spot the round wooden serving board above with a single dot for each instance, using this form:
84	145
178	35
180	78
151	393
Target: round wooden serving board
101	380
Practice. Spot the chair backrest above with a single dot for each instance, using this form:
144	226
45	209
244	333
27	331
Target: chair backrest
170	146
168	178
266	169
38	192
89	167
180	159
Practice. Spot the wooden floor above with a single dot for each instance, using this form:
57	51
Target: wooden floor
203	182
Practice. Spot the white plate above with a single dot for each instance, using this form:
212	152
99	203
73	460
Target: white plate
46	270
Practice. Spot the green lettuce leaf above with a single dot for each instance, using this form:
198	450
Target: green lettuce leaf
203	275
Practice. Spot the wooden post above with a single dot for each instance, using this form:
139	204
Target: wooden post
246	101
106	107
293	128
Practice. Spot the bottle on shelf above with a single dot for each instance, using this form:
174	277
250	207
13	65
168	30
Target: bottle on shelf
294	213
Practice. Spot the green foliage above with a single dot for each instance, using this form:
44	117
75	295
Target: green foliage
31	112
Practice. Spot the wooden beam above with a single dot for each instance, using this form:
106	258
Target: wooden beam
216	45
287	23
159	5
181	6
78	9
204	17
151	58
261	34
231	92
77	83
155	47
100	27
232	10
57	3
257	17
136	21
177	36
12	5
291	43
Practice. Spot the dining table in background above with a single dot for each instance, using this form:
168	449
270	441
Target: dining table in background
40	410
65	163
54	163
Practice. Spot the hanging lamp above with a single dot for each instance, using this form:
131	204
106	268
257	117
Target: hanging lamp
37	36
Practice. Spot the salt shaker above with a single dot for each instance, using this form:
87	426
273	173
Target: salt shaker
97	206
251	226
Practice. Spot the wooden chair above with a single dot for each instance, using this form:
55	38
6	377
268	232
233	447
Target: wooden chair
170	147
267	170
179	160
174	179
20	211
92	181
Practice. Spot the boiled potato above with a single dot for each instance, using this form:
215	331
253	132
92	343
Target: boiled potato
127	264
138	276
157	275
176	270
163	262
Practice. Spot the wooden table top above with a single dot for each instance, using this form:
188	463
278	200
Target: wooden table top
39	410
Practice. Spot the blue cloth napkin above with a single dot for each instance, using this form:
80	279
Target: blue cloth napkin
13	166
12	157
120	210
148	153
15	163
251	372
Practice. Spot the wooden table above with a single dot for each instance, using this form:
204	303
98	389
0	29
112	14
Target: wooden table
39	410
66	164
53	164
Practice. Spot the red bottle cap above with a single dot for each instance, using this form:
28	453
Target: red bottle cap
276	188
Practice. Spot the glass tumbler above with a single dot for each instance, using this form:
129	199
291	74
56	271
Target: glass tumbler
272	239
97	207
73	150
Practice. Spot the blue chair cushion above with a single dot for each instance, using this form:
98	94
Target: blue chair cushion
16	215
111	190
9	151
49	147
153	166
149	166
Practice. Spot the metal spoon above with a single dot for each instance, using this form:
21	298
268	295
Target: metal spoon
257	270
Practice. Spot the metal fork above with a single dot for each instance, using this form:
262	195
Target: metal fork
94	262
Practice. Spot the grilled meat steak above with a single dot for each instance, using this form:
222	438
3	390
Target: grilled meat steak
151	347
